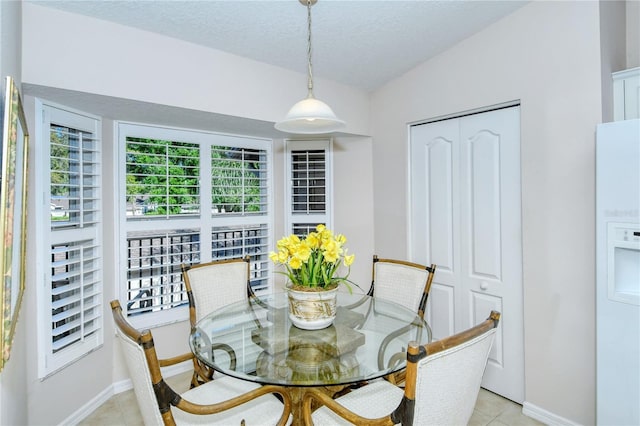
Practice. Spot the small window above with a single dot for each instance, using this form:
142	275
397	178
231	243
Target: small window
308	188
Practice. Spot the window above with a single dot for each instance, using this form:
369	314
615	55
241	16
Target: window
68	175
309	185
188	197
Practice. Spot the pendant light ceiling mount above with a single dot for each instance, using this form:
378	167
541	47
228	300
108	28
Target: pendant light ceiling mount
310	115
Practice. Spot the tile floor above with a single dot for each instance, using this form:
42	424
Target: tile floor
122	409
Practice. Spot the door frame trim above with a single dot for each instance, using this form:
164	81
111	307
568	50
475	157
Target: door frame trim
461	114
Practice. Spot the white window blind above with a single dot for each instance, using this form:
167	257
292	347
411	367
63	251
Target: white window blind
74	179
309	185
76	293
308	181
70	311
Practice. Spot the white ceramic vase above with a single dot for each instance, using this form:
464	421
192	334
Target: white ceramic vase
312	310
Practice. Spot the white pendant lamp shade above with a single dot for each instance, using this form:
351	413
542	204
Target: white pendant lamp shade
310	116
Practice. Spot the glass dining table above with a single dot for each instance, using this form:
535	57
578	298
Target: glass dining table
255	340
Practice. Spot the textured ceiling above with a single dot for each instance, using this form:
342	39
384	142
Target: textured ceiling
359	43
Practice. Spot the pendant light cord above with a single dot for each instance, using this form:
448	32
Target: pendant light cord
310	66
310	116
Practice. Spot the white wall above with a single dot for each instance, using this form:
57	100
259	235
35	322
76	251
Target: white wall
353	203
546	55
633	33
613	48
13	388
123	62
10	42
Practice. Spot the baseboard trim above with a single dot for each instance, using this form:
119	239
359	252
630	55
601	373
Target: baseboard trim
116	388
88	408
544	416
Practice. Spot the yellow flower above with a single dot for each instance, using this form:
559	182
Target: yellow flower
314	259
283	256
348	260
302	252
331	251
312	240
287	243
295	263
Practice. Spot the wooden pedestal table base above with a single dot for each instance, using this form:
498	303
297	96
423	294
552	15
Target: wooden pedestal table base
297	392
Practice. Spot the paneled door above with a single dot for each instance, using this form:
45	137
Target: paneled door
466	218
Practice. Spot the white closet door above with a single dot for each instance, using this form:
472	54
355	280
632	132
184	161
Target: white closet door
434	213
466	218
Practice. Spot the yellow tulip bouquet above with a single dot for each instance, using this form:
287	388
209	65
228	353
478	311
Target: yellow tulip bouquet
312	262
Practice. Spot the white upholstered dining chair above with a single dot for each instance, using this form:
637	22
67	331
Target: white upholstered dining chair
442	384
405	283
211	286
224	401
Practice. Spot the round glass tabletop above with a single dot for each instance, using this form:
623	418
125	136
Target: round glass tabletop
255	340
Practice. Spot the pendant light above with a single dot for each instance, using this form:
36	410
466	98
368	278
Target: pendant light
310	115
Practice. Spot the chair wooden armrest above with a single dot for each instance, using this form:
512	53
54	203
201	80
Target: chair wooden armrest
175	360
399	376
200	409
200	370
313	394
203	373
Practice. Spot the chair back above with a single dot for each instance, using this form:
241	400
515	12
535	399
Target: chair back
405	283
213	285
444	377
139	354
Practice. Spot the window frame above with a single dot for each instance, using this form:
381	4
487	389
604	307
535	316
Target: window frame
47	113
291	217
201	221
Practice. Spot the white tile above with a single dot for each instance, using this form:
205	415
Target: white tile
512	415
480	419
491	404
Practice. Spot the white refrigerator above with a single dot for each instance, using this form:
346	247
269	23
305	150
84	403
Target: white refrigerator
618	273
